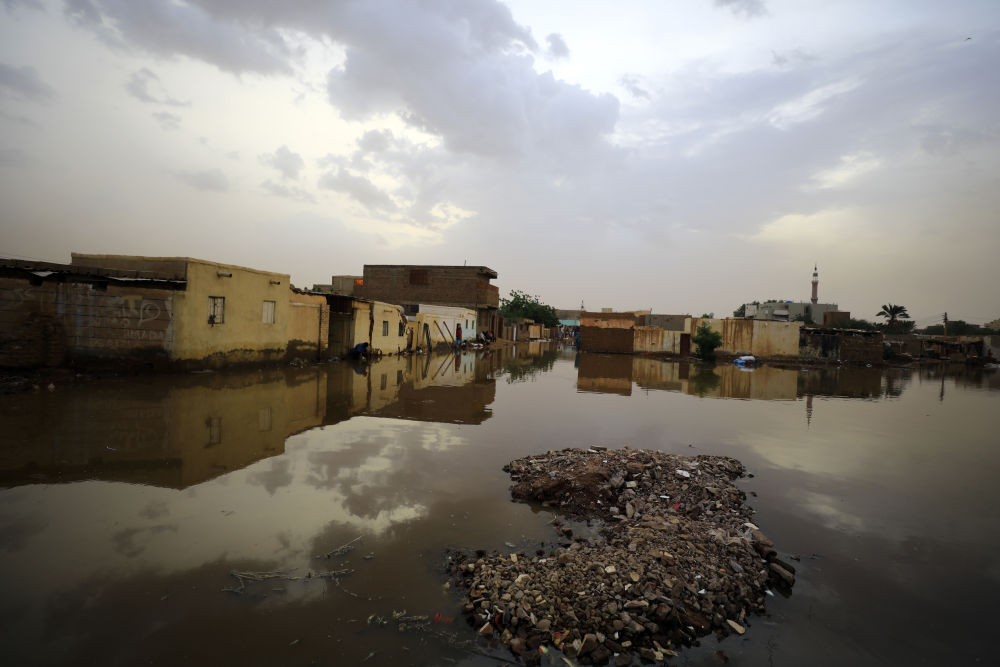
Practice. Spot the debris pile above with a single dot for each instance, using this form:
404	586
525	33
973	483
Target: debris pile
677	558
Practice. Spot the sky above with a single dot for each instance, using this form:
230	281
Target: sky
684	156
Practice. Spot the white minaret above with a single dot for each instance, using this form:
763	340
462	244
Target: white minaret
815	296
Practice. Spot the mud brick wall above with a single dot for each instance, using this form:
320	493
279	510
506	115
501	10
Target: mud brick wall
453	286
53	323
867	349
842	346
601	339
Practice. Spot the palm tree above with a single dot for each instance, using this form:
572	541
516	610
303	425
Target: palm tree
893	313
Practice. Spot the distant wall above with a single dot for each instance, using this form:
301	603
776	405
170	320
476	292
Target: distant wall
841	345
656	339
758	337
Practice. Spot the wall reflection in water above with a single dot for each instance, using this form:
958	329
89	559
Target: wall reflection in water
616	374
179	431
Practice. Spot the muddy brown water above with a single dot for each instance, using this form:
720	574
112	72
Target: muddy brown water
126	503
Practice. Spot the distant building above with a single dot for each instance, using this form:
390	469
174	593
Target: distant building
410	285
811	312
340	285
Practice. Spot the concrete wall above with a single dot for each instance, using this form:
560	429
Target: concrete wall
308	325
668	322
395	340
53	323
439	324
656	339
757	337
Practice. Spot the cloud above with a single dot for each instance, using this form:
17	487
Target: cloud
557	47
14	5
183	29
23	83
811	104
288	192
358	187
167	121
287	163
13	157
206	180
138	86
848	169
748	8
631	84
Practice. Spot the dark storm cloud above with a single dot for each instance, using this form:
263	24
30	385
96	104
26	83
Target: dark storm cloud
141	82
23	83
206	180
287	163
463	71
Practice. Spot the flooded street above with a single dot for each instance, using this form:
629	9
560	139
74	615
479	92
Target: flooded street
126	503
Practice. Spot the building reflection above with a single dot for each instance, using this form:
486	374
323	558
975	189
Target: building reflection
178	431
171	432
616	374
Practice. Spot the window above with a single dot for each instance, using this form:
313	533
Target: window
385	327
402	329
419	277
384	381
214	425
216	309
399	377
267	313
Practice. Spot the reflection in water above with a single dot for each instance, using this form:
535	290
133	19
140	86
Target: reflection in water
606	373
172	432
179	431
168	484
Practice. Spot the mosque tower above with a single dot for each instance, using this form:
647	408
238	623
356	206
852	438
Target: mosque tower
815	296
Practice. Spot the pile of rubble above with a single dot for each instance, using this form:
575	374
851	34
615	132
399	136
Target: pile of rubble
677	558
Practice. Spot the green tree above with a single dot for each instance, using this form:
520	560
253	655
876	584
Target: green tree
707	340
521	304
859	324
893	314
741	311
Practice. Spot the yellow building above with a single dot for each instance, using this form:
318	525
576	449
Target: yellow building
225	314
352	321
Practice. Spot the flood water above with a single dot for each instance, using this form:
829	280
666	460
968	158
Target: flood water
126	503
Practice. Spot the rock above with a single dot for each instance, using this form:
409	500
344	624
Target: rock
543	625
629	510
589	644
739	629
782	573
486	630
610	569
518	646
623	659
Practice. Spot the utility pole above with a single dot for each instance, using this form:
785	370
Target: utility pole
946	324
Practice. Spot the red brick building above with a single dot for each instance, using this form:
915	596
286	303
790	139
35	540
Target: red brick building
410	285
